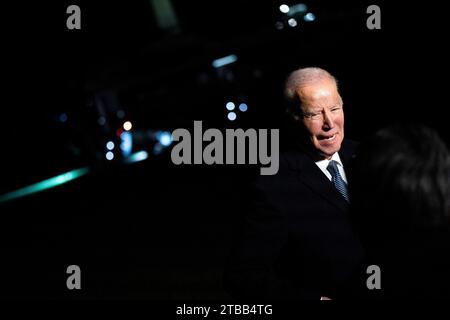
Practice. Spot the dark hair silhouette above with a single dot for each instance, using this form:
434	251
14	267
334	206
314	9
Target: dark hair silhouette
405	167
400	191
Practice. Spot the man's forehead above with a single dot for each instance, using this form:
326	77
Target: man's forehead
319	97
317	89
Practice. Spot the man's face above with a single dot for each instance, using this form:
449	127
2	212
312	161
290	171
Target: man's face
323	116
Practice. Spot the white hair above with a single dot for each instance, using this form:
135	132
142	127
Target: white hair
303	77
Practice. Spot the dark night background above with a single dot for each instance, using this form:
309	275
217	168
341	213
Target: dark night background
151	229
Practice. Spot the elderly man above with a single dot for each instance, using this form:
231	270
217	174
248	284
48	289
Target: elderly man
297	241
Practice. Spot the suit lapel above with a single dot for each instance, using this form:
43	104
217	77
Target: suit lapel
310	174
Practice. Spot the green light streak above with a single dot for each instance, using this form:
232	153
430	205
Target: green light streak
44	185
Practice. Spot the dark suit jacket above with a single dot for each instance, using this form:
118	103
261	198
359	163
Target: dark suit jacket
297	241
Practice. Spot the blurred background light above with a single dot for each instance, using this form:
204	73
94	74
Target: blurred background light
157	148
127	125
120	114
109	155
309	17
136	157
63	117
44	185
126	144
101	120
164	138
230	106
297	8
279	25
110	145
243	107
218	63
284	8
231	116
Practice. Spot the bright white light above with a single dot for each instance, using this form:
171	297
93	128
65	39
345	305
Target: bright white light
127	125
292	22
243	107
110	145
284	8
309	17
231	116
230	106
224	61
164	138
109	155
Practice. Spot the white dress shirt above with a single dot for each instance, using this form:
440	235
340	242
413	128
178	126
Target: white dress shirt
323	164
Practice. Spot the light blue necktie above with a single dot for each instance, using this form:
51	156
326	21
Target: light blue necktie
337	180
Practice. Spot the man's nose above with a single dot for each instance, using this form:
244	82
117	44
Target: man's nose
328	121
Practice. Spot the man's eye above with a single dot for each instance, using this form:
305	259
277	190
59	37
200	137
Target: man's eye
313	116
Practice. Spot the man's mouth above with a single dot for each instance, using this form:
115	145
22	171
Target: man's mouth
328	138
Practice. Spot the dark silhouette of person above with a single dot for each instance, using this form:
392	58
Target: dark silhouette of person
400	195
296	240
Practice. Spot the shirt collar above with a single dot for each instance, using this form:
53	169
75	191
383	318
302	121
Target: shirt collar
335	157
